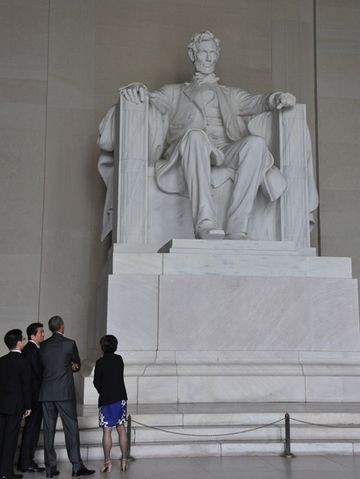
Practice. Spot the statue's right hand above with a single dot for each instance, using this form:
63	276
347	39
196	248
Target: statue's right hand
134	93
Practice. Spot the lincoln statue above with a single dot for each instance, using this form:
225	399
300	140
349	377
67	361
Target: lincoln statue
205	130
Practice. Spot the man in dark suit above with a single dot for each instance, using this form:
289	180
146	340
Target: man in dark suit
60	358
30	436
15	400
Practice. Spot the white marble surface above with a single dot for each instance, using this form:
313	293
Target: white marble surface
228	461
261	358
156	389
294	203
279	330
178	245
131	173
331	363
333	388
134	263
256	265
133	311
228	313
242	388
243	258
220	337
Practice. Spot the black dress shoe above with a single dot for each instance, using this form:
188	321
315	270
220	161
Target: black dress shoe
36	468
17	476
52	473
83	471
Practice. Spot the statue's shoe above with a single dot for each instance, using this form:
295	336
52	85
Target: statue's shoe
210	234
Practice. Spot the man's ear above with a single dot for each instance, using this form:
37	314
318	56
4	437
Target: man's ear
191	55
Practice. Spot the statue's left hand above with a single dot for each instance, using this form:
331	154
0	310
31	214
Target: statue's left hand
284	100
135	93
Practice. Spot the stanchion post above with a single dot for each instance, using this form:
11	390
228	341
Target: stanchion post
287	444
128	433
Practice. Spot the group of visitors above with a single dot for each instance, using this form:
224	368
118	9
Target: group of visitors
36	383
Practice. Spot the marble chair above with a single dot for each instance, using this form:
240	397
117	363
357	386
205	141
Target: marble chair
139	213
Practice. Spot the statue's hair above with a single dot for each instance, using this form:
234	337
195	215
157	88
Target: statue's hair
199	37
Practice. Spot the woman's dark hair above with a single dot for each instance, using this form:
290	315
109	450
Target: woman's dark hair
108	343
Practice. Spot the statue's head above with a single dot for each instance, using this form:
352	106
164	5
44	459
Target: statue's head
204	51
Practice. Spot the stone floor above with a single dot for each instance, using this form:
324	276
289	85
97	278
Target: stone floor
305	467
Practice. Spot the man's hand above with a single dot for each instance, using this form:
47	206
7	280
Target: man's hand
284	100
74	367
134	93
27	412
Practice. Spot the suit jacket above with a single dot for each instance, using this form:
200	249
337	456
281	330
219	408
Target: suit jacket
109	379
32	354
15	391
183	106
57	353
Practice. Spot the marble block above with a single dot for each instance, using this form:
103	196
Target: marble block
257	313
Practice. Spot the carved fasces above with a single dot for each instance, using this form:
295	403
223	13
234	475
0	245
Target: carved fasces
131	166
294	202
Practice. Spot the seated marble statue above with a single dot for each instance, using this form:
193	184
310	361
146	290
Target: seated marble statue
205	130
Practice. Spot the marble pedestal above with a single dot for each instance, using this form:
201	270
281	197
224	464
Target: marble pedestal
229	321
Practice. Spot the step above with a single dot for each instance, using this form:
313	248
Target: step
207	428
218	449
234	258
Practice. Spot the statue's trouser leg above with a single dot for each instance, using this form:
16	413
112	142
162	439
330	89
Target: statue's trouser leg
248	158
195	150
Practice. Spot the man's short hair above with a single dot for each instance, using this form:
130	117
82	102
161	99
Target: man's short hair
12	337
199	37
108	343
32	329
55	323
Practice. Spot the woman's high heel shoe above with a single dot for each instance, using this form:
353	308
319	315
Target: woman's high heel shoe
106	467
124	464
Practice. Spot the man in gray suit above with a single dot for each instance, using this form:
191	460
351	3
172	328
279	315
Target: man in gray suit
60	358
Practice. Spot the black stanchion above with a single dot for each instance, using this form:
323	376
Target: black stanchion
128	433
287	445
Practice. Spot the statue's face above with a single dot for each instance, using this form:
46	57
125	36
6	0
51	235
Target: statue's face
206	57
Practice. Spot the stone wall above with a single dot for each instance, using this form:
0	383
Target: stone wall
338	73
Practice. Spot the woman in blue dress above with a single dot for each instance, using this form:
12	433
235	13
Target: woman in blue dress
109	383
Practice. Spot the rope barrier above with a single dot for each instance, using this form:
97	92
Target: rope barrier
177	433
322	425
287	444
